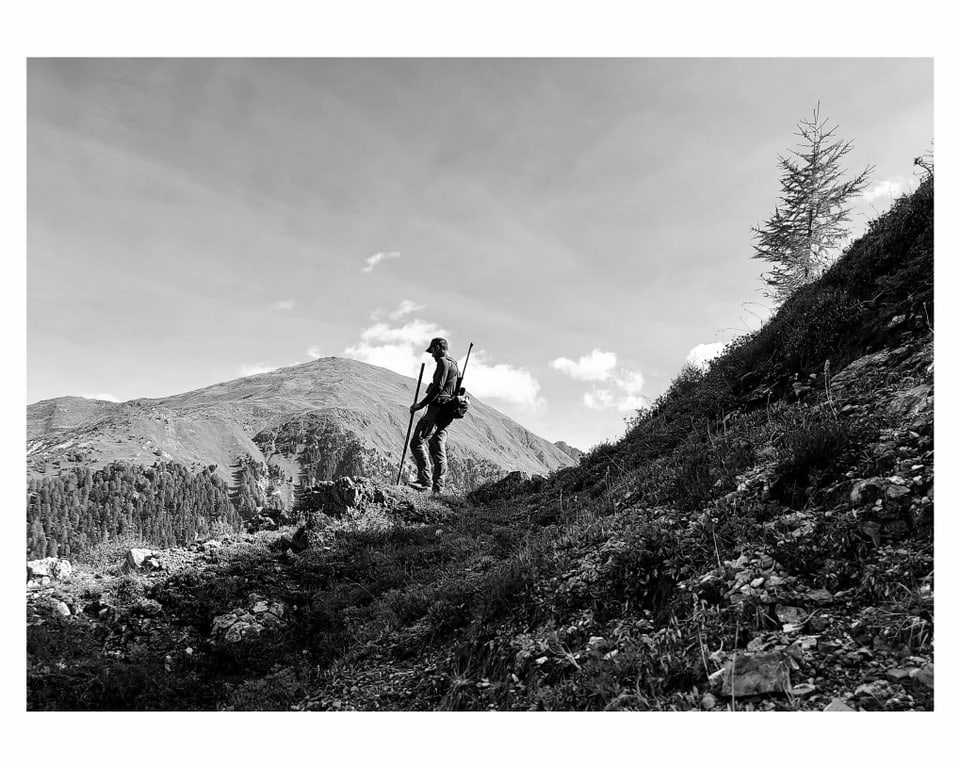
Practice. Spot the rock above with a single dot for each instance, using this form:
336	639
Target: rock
866	491
138	560
223	622
49	567
337	497
241	630
908	404
747	675
789	614
838	705
61	608
820	596
855	370
147	607
709	701
898	675
923	677
596	643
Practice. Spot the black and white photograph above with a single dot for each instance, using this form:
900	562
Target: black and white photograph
480	383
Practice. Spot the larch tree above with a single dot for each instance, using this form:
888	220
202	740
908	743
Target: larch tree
803	236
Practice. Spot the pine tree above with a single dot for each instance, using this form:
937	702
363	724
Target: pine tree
802	237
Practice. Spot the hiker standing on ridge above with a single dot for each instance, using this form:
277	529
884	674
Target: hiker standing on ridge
432	426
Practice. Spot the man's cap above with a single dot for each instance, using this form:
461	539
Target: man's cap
437	342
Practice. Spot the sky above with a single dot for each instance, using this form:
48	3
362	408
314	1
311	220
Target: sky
585	223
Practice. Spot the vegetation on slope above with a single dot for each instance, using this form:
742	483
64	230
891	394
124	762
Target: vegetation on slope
165	504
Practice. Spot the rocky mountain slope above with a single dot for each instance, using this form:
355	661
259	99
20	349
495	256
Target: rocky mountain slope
319	420
762	540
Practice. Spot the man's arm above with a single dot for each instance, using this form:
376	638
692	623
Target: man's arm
433	390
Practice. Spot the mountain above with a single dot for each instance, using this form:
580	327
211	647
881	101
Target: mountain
574	453
324	419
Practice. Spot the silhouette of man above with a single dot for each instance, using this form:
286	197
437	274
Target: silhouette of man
431	429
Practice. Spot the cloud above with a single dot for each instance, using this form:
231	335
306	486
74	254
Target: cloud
622	386
406	307
372	261
597	366
400	348
252	369
631	382
285	305
100	396
414	333
888	189
502	382
702	354
603	399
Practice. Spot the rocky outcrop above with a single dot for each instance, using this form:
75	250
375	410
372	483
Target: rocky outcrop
52	568
139	560
574	453
249	622
336	497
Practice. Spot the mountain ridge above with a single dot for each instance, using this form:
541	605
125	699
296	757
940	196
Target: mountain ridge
215	424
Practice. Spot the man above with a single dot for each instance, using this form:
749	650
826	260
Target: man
432	427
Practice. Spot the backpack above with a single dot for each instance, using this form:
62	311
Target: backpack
459	405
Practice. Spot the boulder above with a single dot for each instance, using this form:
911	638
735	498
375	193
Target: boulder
855	370
910	403
838	705
866	491
140	560
147	607
49	567
752	675
337	497
246	623
923	677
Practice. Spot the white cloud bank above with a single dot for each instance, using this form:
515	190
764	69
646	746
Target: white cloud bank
889	189
100	396
597	366
623	387
502	382
702	354
400	348
372	261
252	369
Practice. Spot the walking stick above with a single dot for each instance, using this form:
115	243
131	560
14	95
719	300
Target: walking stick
465	364
403	456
